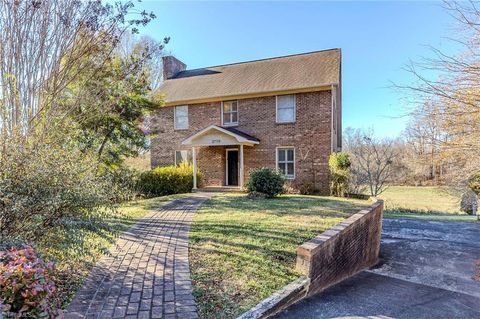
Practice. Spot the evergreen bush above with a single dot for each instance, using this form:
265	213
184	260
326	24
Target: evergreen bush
168	180
266	181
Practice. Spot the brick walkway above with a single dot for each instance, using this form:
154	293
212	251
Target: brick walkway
147	274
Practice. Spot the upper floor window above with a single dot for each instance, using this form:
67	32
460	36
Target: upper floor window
180	117
286	161
182	156
229	113
285	108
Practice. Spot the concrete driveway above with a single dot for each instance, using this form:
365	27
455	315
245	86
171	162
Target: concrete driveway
426	271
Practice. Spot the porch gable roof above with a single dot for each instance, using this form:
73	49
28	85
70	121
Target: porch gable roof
215	135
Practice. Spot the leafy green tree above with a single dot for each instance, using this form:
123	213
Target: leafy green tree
112	106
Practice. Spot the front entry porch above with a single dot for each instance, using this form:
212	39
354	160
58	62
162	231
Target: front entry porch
218	189
232	142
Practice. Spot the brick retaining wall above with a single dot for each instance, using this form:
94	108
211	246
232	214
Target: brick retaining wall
342	251
334	255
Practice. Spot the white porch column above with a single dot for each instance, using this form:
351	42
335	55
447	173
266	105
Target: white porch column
194	159
241	166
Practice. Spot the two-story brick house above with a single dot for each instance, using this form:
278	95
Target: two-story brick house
283	113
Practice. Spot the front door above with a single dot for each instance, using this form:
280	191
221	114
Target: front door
232	167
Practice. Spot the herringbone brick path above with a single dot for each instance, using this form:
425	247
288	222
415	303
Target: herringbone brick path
147	274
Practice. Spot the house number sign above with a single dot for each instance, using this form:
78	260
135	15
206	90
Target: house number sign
216	141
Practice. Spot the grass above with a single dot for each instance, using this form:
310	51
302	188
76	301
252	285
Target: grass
424	203
77	249
423	198
242	250
444	217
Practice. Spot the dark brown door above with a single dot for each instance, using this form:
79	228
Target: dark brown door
232	168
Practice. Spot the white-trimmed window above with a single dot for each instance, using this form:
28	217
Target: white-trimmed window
182	156
285	108
180	121
286	161
230	113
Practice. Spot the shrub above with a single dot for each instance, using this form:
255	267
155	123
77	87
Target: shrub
42	185
266	181
473	184
124	182
168	180
26	289
339	164
308	189
289	187
468	202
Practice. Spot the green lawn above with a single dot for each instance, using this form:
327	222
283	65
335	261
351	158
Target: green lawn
242	250
422	198
76	251
430	203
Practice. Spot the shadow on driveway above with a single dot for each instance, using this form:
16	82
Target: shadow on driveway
426	271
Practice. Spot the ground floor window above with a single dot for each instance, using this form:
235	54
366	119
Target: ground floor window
286	161
183	156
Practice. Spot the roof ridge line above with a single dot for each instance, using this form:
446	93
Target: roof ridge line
258	60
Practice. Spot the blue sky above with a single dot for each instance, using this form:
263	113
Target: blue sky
377	40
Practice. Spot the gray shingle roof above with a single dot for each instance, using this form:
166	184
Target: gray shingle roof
301	71
242	134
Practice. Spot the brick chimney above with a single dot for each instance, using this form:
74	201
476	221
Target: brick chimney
171	66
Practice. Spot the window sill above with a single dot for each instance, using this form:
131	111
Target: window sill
230	124
180	129
292	122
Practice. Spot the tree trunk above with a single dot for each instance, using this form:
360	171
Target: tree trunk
475	206
104	142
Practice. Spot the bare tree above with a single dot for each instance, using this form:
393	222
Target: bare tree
43	48
450	83
425	137
373	160
155	49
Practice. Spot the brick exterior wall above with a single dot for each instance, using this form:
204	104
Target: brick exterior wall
342	251
310	135
171	66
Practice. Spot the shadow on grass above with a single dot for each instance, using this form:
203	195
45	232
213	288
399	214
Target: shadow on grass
272	244
286	205
242	250
258	233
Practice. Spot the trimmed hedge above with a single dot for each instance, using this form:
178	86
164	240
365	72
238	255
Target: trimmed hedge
168	180
266	181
